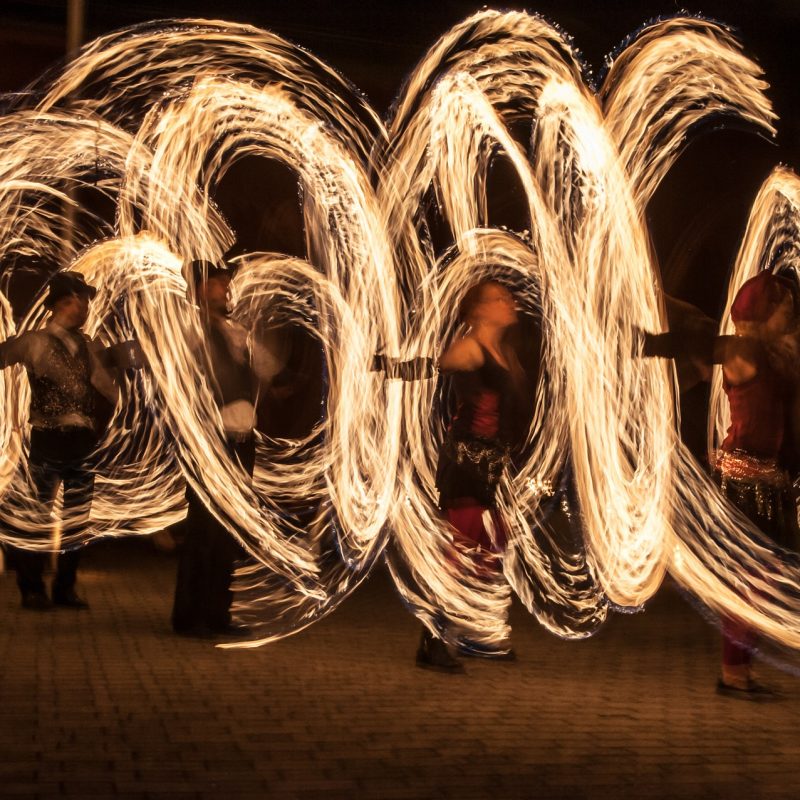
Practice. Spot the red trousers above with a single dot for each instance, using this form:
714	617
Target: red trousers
471	534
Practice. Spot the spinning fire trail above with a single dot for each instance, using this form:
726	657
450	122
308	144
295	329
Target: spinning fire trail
155	116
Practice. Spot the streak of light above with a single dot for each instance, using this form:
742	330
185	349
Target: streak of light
605	498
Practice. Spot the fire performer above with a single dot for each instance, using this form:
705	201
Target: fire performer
72	380
238	368
758	366
489	384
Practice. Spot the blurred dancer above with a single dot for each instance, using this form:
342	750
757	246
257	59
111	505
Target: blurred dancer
489	385
238	368
756	365
71	383
759	366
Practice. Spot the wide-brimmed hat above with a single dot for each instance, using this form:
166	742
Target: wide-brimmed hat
64	284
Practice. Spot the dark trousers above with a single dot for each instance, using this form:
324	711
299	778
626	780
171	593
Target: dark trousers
206	560
58	456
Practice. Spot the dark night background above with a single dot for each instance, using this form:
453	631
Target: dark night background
696	218
698	214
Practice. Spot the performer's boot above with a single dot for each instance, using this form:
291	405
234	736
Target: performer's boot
750	690
29	566
64	593
737	678
434	654
469	649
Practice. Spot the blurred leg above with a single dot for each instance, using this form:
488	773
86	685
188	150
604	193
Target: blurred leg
193	559
225	550
30	564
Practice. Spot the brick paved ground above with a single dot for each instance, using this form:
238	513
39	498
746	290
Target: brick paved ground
109	704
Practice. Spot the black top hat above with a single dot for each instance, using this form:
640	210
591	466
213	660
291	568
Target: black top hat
64	284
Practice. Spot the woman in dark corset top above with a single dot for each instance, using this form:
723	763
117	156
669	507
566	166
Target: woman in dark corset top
488	381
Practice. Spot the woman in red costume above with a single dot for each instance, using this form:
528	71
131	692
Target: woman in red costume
759	367
488	381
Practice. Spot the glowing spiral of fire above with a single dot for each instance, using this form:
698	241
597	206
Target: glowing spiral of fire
607	498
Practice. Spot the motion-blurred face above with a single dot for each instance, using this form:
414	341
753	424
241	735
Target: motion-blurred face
72	311
496	307
213	293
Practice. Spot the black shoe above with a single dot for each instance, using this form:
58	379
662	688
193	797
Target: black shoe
754	692
433	654
36	601
69	599
478	651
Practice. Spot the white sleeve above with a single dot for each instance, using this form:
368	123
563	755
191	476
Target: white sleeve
268	353
14	350
29	348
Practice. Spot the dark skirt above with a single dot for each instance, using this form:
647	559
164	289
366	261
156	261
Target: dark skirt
771	508
470	468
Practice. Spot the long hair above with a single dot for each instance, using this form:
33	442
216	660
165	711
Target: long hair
509	344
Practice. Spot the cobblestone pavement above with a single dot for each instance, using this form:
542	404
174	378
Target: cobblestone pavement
108	703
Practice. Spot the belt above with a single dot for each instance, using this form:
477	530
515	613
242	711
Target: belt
239	437
739	465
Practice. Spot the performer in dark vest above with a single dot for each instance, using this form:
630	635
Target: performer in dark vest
489	385
238	369
71	380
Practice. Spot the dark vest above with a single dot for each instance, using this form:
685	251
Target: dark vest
74	392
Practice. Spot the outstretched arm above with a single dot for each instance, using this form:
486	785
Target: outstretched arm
693	342
464	355
14	350
738	355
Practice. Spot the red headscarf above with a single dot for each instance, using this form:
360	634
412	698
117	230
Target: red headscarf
758	297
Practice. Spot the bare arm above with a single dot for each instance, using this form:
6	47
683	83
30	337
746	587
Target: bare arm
738	356
463	355
269	354
690	341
